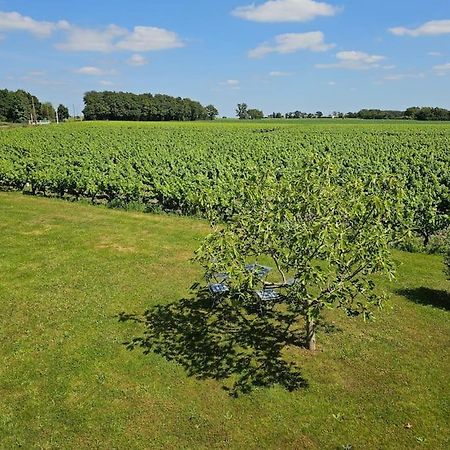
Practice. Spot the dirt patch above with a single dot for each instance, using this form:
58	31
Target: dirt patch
116	247
38	232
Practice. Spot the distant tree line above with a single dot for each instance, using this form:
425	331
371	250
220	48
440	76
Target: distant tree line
296	115
22	107
109	105
413	113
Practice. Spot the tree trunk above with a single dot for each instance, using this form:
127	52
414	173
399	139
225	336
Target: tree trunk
310	333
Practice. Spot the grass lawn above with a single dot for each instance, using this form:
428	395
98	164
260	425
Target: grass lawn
68	381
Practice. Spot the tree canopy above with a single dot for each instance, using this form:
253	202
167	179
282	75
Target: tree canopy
255	114
109	105
211	112
21	107
17	106
242	111
326	235
63	113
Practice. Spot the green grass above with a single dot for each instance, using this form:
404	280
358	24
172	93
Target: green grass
68	381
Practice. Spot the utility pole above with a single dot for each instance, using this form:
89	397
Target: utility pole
34	111
56	114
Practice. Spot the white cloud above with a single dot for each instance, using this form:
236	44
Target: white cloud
94	71
113	38
13	21
332	83
137	60
107	39
91	40
354	60
292	42
277	73
38	77
403	76
285	11
434	54
146	39
36	73
106	83
442	69
233	84
431	28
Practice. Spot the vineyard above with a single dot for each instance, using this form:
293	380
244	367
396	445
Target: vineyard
169	166
104	344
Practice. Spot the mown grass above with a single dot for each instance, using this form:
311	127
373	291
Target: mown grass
68	381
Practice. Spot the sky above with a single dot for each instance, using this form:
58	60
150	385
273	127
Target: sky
274	55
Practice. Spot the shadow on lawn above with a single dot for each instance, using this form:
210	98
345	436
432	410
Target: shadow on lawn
427	296
221	343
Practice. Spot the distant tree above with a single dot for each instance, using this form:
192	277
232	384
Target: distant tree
47	111
255	114
424	113
242	111
211	112
319	114
19	107
5	104
63	113
411	113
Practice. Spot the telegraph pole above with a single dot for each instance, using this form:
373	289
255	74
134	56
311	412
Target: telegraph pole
34	119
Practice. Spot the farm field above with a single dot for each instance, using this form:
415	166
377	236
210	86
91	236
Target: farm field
225	225
82	285
174	166
68	381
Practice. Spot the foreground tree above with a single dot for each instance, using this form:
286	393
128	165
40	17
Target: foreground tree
328	235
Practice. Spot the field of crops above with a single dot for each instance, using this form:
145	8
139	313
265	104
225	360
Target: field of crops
171	166
105	347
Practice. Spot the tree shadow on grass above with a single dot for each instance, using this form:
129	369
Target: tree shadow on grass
426	296
219	341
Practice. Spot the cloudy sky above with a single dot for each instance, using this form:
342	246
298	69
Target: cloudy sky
277	55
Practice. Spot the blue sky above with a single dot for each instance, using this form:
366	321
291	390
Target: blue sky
276	55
